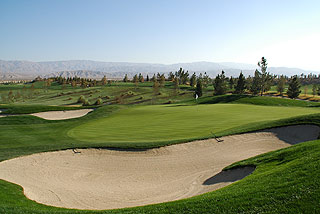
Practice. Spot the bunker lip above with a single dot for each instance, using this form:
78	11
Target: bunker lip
62	115
95	179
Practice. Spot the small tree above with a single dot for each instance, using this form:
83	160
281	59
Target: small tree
294	88
280	85
81	99
220	84
305	90
231	83
136	80
241	84
314	89
98	102
141	79
198	90
255	86
193	80
162	80
104	80
265	78
125	79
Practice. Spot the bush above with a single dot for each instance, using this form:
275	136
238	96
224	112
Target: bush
81	99
98	102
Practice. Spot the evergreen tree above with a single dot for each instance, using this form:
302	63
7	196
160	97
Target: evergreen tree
231	83
241	84
162	80
294	88
220	84
141	79
104	80
136	80
193	80
198	90
125	79
265	78
147	78
314	89
280	85
255	87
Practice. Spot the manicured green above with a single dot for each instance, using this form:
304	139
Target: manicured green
148	124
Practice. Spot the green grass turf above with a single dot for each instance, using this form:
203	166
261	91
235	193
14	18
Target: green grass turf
167	123
285	181
256	100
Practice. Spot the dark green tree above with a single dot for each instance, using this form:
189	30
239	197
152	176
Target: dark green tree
198	90
125	79
231	83
193	80
281	84
294	88
241	84
220	84
135	80
265	77
255	86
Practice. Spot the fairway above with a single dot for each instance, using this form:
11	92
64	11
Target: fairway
176	123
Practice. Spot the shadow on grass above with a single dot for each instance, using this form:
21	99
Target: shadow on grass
223	99
230	175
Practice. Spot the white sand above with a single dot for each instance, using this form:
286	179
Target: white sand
62	115
108	179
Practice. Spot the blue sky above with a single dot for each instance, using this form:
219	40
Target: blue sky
286	32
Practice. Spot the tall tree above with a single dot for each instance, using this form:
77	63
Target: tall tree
241	84
280	85
220	84
265	77
294	88
255	86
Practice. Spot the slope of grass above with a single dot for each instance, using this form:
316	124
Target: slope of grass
285	181
257	100
167	123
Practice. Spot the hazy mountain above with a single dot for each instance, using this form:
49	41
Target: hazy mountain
95	69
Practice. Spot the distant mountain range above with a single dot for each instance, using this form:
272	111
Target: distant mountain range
14	70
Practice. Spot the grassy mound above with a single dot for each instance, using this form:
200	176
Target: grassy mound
167	123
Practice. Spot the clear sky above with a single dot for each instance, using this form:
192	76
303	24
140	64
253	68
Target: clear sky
286	32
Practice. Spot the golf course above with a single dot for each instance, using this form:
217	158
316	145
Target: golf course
226	154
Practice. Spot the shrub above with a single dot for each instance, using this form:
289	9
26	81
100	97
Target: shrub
81	99
98	102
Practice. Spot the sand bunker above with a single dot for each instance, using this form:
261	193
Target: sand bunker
108	179
62	115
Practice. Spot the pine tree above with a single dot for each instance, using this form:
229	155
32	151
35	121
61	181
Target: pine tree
220	84
125	79
314	89
265	78
136	80
147	78
198	90
255	87
280	85
193	80
231	83
294	88
241	84
104	80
